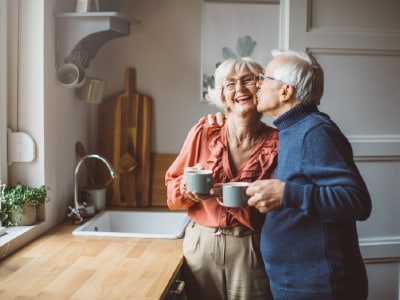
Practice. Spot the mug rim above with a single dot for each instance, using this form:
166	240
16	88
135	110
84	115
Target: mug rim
236	184
196	172
67	69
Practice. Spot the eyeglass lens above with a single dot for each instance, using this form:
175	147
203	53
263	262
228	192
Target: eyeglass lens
230	83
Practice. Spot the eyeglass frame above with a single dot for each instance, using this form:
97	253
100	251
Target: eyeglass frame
235	80
261	77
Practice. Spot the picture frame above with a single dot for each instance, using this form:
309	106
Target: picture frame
236	29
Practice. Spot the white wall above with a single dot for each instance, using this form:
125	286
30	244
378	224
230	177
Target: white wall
165	49
47	111
66	122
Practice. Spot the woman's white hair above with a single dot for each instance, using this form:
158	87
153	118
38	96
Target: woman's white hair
231	64
303	72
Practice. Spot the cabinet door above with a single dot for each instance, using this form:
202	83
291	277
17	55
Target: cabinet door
176	290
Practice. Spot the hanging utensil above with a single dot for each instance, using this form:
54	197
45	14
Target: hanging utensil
127	163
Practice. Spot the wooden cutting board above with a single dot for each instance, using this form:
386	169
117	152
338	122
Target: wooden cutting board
125	139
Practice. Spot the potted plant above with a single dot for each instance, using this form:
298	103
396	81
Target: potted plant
20	203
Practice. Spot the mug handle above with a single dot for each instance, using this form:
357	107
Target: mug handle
220	202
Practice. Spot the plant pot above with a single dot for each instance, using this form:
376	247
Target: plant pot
26	217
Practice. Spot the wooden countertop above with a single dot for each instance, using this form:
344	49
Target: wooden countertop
59	265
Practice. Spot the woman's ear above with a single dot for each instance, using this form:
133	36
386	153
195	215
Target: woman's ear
223	100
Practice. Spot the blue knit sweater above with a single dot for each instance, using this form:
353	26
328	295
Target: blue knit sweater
310	246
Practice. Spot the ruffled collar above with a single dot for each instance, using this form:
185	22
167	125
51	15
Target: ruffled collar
260	159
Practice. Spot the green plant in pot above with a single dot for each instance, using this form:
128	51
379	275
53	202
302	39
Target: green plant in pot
20	203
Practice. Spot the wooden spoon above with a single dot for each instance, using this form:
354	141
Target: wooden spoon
80	150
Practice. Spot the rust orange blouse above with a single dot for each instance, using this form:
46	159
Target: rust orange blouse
207	144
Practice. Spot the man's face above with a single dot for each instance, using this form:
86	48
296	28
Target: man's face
269	92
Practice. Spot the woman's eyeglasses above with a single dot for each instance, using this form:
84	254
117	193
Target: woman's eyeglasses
247	81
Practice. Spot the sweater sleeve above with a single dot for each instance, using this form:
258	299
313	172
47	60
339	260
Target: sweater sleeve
334	188
188	157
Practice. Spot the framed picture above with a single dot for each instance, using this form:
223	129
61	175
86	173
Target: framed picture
236	29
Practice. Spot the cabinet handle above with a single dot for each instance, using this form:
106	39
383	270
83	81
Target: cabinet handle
180	285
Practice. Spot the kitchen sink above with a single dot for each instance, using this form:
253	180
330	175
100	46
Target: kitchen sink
136	224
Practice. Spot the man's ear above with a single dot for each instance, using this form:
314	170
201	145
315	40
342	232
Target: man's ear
287	91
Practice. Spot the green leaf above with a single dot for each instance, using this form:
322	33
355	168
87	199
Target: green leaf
245	46
228	53
208	81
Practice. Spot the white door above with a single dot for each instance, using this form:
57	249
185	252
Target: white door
358	44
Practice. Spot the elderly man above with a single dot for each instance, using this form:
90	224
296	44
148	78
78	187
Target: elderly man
309	238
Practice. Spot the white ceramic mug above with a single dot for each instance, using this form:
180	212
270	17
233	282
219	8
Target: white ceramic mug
97	196
199	181
71	76
234	194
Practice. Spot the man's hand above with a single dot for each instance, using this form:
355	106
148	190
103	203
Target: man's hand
266	195
218	119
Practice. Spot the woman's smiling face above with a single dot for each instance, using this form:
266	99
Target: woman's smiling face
239	91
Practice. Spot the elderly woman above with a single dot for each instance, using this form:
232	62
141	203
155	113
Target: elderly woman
221	245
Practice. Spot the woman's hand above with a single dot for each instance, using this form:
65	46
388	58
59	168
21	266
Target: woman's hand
265	195
196	197
215	192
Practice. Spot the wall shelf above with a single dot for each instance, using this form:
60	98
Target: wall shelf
80	35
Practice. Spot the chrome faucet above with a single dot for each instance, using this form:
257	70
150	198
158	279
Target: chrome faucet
79	209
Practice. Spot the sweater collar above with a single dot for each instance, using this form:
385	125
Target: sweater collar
294	115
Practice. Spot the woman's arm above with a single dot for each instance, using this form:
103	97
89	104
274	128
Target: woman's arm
188	157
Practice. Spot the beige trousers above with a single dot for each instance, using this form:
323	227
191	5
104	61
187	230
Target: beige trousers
223	265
